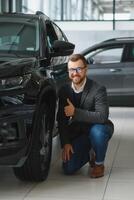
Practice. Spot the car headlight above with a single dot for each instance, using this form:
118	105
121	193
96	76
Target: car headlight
15	81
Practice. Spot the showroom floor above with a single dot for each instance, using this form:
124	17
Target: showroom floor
117	184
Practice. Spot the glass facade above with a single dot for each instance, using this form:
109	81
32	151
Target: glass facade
64	10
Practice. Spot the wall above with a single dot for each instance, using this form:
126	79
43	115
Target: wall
85	34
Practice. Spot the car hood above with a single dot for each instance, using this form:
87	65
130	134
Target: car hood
17	67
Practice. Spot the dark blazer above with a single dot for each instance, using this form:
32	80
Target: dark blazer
93	108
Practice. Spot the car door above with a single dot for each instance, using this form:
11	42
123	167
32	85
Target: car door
105	67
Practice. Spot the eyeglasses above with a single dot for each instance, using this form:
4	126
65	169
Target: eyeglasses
78	69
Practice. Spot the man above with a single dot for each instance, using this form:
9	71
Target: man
83	120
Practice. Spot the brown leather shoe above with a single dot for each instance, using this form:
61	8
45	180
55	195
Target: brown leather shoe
97	171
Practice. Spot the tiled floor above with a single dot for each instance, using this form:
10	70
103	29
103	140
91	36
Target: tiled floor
117	184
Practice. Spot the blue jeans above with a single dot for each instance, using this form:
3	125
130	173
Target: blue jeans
97	138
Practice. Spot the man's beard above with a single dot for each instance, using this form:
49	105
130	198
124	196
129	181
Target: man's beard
77	81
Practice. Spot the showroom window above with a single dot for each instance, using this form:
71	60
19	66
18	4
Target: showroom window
82	9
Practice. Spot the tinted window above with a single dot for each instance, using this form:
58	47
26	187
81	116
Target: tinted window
130	54
59	33
51	35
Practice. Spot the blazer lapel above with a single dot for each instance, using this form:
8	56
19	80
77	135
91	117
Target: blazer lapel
85	92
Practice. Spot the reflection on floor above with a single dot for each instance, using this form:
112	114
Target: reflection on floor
117	184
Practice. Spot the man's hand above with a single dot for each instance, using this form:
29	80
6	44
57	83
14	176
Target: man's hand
69	109
67	152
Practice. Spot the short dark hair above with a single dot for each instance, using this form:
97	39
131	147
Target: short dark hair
76	57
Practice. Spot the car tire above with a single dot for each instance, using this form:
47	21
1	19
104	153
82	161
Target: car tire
37	165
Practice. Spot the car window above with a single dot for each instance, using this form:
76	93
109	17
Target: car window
130	55
105	55
59	33
51	35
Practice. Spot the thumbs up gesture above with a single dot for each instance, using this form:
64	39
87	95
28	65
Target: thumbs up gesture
69	109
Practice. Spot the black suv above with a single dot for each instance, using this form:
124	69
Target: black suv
33	55
111	63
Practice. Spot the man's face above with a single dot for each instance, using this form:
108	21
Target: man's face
77	71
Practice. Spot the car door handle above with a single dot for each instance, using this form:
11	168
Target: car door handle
115	70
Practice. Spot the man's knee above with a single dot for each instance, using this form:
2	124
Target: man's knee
99	132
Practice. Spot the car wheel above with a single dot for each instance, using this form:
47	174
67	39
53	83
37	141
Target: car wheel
37	165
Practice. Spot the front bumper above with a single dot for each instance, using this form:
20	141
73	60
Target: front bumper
14	149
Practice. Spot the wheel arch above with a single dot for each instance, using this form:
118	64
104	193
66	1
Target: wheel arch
47	95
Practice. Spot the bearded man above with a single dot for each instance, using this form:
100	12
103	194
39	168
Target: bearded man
83	121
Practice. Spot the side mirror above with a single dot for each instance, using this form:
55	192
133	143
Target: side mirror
62	48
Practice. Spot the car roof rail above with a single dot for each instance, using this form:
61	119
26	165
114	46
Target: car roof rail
41	13
119	39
